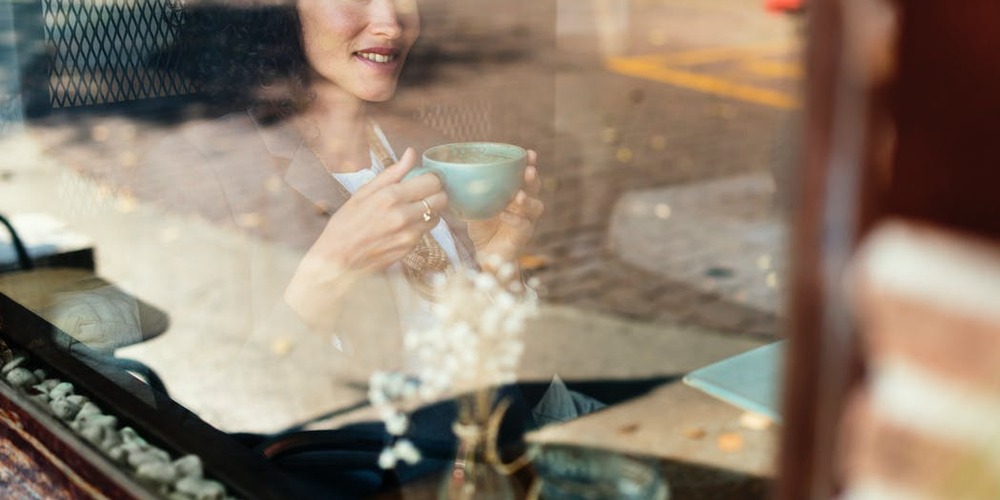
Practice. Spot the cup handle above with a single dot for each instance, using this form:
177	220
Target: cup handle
417	171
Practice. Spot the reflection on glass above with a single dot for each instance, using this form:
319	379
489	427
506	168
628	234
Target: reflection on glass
568	473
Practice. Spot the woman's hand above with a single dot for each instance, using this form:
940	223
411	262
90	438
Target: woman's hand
506	234
382	221
377	226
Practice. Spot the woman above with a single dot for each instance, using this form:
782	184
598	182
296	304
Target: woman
355	52
301	163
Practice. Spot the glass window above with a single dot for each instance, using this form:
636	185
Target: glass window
213	195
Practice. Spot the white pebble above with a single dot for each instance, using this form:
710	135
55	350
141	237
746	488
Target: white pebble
61	390
162	473
189	465
202	489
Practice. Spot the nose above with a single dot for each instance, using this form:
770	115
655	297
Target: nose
385	18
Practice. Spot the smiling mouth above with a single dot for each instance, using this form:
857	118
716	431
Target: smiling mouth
378	58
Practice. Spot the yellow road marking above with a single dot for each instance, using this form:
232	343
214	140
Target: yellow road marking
648	69
772	69
680	69
716	54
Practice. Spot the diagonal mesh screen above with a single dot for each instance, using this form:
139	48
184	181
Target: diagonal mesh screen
465	121
108	51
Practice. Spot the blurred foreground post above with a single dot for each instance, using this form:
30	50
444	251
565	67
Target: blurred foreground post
901	121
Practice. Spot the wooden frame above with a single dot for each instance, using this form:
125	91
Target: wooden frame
900	122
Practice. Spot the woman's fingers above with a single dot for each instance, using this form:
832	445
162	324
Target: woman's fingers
392	174
523	216
420	187
428	210
438	202
532	207
397	204
526	202
525	206
514	220
532	181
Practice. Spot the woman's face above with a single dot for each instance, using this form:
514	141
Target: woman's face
359	45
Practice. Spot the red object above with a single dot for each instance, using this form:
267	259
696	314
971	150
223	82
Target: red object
784	5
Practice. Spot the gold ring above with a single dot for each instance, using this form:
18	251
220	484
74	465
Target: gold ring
428	213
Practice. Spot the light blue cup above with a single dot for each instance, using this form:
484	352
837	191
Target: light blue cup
481	178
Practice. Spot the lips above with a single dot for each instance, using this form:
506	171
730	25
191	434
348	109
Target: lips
381	55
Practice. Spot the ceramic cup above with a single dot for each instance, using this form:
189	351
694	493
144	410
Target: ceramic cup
481	178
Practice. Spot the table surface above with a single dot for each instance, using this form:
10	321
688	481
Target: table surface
676	422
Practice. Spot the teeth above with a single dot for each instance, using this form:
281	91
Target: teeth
379	58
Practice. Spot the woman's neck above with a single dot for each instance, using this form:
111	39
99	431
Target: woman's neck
336	125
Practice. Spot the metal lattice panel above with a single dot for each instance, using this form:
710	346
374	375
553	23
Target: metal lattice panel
108	51
465	121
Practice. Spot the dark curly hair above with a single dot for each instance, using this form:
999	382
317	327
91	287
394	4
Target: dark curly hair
246	57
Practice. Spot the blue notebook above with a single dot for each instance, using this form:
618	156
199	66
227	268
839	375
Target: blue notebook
750	381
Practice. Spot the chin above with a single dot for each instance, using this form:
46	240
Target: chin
381	93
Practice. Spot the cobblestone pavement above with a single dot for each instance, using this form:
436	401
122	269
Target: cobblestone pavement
660	171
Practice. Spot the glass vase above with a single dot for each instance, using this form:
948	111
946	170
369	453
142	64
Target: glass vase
477	472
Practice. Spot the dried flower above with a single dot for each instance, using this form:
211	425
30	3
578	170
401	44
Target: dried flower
396	424
406	451
474	343
387	459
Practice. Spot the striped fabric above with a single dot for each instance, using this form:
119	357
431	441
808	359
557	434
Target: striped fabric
925	424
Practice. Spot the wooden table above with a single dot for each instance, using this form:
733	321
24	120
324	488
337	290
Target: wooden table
707	448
